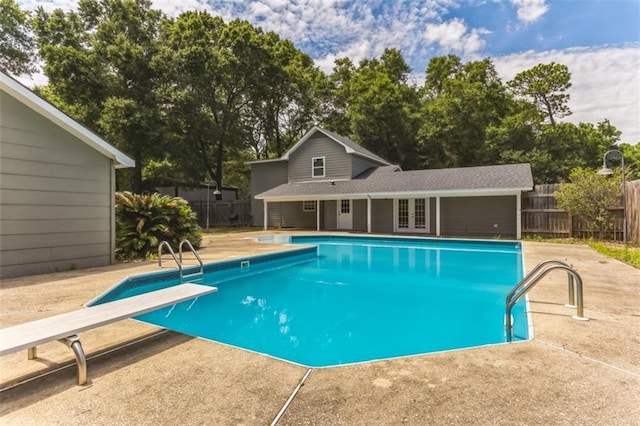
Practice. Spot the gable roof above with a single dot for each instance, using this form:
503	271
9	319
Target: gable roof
387	182
349	146
27	97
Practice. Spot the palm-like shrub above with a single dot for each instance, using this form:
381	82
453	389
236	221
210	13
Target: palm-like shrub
143	221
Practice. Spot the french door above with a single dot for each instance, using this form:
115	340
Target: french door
412	215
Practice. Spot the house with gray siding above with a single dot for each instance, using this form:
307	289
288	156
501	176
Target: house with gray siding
57	185
328	182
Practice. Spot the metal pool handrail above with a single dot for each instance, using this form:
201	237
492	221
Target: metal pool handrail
529	281
538	267
171	252
198	275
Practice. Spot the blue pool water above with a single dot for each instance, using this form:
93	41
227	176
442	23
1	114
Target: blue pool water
354	299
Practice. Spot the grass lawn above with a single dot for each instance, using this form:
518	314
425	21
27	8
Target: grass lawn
627	254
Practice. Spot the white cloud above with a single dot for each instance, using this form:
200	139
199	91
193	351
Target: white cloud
454	36
530	10
605	83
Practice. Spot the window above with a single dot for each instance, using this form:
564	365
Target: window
317	167
308	206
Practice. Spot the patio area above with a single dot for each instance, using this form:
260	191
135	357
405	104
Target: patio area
572	372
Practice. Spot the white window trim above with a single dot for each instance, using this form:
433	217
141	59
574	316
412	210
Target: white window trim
313	168
306	204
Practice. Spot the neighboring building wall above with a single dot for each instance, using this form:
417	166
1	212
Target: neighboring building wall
481	216
198	194
382	216
57	196
337	161
265	176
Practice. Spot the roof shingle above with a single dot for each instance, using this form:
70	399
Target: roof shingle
390	179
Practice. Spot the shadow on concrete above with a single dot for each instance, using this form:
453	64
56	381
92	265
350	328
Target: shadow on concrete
27	390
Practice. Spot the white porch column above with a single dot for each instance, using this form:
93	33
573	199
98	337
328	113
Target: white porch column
368	215
518	215
437	216
266	212
317	215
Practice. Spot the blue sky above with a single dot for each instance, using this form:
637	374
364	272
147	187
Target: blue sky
598	40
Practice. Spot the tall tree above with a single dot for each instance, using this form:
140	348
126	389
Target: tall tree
379	106
545	86
230	87
284	103
460	102
17	47
101	66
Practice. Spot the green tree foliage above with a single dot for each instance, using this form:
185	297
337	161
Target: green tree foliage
191	98
461	102
379	106
286	99
545	86
102	69
231	88
631	159
17	48
144	221
590	196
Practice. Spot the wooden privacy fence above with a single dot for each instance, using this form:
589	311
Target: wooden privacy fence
633	211
542	217
223	213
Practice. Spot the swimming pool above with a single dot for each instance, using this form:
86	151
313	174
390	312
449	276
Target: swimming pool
344	300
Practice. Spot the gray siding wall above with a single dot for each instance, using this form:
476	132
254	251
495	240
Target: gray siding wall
359	215
294	217
330	215
337	161
265	176
382	216
432	216
478	215
57	197
359	165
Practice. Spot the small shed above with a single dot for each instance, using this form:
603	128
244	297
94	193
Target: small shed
57	185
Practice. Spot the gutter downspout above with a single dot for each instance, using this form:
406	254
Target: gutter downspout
112	211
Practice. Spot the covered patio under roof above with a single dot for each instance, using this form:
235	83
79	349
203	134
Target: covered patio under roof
391	183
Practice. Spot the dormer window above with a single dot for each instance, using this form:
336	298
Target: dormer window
317	167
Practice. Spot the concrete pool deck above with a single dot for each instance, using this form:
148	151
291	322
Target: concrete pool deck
572	372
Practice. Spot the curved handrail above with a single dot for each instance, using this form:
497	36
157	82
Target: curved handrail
171	252
528	282
537	268
190	247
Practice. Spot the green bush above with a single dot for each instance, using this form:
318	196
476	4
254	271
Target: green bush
143	221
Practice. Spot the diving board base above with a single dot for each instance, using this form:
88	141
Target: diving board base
65	327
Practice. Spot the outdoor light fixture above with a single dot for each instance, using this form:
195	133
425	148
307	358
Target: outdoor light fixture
607	171
216	193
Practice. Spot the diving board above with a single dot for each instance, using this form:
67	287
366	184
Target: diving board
65	327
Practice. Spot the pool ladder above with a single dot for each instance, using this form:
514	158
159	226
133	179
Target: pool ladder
574	288
190	277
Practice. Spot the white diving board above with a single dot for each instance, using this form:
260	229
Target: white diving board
65	327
